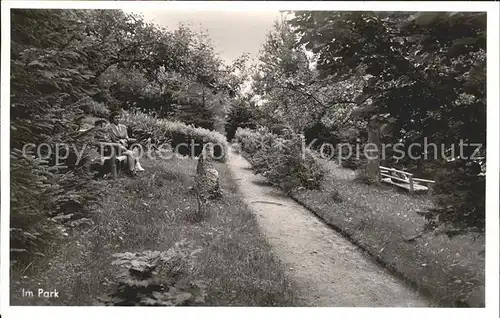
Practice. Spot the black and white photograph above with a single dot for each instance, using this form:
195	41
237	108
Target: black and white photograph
205	154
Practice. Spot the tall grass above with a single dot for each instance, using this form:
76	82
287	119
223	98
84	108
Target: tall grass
152	213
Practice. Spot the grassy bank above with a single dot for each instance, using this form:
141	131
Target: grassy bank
384	223
152	212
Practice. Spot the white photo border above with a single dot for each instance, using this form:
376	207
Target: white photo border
492	179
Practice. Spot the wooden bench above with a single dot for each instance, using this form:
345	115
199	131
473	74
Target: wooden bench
113	160
406	180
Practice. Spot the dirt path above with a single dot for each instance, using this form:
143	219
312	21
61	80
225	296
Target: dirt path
329	270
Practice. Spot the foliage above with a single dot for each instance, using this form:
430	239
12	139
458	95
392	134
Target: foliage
423	75
31	229
351	158
281	69
291	91
422	69
457	208
97	109
250	140
283	160
244	114
152	278
197	106
51	85
177	74
68	65
177	134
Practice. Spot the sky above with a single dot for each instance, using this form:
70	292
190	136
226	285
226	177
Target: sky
232	32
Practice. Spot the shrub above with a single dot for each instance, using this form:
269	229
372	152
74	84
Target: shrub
459	199
283	160
363	176
153	278
352	162
176	133
46	200
97	109
250	140
241	115
51	86
321	134
32	195
356	139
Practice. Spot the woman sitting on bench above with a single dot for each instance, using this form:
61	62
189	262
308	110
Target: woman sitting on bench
118	134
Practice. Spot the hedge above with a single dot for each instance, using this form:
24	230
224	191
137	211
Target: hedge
175	133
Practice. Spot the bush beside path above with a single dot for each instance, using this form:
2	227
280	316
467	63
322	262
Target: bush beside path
381	220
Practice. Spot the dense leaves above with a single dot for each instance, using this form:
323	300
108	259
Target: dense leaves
185	140
153	278
51	85
291	91
425	70
455	202
384	77
243	114
70	66
282	159
178	75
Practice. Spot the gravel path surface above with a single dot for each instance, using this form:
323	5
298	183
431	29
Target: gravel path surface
328	269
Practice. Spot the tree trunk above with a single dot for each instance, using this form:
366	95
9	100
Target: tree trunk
373	164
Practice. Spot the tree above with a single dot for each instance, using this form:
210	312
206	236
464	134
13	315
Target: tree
295	95
243	114
67	65
51	88
181	78
425	72
420	67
